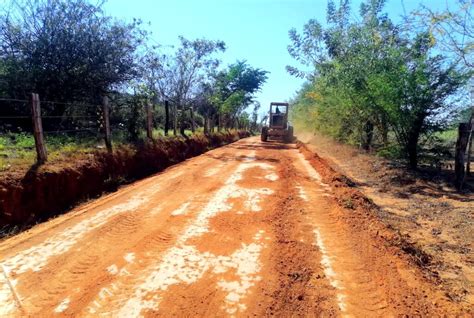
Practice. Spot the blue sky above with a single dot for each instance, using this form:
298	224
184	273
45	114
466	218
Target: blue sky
254	30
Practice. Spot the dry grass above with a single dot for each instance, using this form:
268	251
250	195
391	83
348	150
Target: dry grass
424	207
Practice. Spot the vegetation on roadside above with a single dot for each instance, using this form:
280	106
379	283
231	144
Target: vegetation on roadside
96	55
381	84
57	185
17	149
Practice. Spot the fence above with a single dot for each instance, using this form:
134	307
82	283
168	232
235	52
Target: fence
48	125
462	158
49	119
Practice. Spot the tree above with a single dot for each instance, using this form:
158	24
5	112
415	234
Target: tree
205	107
428	85
65	50
254	117
451	28
369	77
307	48
177	76
235	89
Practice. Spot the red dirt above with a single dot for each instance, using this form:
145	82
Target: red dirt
247	229
52	188
432	219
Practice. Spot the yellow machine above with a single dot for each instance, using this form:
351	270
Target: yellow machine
278	125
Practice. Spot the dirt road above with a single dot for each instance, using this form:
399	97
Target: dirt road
246	229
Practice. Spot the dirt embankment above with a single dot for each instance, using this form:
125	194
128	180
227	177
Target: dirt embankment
431	219
392	249
249	229
52	188
375	263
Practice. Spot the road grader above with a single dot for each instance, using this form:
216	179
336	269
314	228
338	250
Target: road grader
278	125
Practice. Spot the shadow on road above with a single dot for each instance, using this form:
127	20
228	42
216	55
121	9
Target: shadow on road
263	145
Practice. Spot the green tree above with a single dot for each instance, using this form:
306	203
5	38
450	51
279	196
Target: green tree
235	88
452	29
369	78
177	76
65	50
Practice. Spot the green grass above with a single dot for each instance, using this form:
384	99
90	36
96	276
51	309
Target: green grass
161	132
18	149
448	136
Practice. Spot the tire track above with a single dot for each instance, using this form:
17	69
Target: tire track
81	252
357	292
183	262
249	229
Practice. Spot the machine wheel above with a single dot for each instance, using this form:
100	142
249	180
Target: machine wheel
264	135
289	137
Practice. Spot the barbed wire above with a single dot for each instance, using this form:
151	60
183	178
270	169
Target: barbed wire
74	103
73	116
69	103
13	100
65	117
70	130
15	117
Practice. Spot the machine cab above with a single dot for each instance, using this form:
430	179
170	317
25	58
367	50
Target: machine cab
278	126
278	115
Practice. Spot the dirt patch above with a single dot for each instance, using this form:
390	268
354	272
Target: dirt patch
52	188
301	288
266	234
369	215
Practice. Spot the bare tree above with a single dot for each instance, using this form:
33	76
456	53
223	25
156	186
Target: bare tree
176	77
452	29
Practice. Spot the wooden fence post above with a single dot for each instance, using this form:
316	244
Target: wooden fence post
206	124
149	121
175	119
41	152
105	112
459	157
469	150
167	117
191	111
469	147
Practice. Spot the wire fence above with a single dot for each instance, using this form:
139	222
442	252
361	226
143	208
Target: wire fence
16	116
62	129
33	130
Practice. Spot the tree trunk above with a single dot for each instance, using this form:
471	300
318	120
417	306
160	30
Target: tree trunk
368	136
471	132
206	123
219	122
167	117
106	114
212	123
191	110
384	131
175	119
412	147
459	158
182	124
412	151
412	142
469	150
149	120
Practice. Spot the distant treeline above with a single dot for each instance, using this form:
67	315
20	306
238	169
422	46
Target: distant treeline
72	54
377	83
